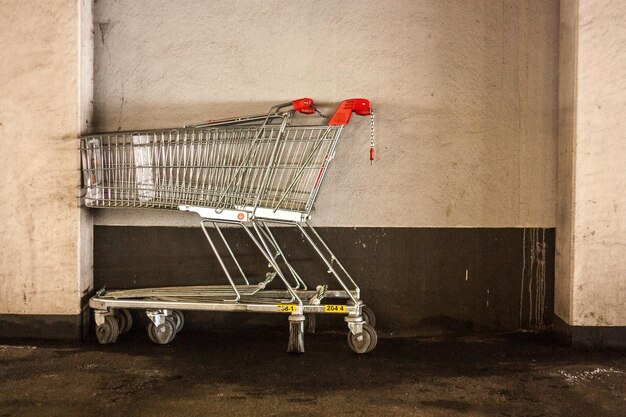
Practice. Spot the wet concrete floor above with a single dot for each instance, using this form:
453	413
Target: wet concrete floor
249	374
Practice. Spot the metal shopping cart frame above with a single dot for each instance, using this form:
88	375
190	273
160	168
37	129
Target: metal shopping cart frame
249	172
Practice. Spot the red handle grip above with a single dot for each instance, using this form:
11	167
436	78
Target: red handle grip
360	106
304	105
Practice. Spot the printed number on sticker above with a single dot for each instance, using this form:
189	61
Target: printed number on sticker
330	308
286	308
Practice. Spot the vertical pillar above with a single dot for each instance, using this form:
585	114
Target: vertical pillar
45	100
591	230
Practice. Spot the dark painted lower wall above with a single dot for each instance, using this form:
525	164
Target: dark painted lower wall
414	278
591	336
41	326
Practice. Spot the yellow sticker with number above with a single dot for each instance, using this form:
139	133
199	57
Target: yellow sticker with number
286	308
331	308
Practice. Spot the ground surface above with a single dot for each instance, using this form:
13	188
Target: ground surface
218	374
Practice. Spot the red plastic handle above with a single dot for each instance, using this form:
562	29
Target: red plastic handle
304	105
360	106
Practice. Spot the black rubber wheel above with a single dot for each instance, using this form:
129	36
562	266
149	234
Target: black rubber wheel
108	331
151	334
364	341
129	320
115	328
164	333
173	324
374	336
179	320
103	333
121	321
368	316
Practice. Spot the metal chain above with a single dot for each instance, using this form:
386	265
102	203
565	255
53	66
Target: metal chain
372	131
319	113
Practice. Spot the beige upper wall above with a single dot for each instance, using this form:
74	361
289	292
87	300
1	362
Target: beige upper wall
599	275
465	94
39	103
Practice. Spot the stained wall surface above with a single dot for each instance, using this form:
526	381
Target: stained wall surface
465	94
599	276
568	58
40	226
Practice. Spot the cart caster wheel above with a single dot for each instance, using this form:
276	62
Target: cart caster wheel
108	331
151	335
179	319
309	323
164	333
364	341
125	316
121	321
368	316
296	334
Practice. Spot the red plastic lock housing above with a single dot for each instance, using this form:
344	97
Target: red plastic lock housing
304	105
360	106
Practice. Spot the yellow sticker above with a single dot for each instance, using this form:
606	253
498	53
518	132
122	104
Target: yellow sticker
331	308
286	308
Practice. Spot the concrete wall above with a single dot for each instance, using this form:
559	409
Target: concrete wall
599	276
41	268
465	94
590	290
568	44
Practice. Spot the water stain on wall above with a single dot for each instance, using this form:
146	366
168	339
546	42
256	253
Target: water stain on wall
532	303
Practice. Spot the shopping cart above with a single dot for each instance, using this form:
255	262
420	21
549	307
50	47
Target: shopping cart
249	172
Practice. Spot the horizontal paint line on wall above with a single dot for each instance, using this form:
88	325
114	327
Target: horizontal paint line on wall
172	218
